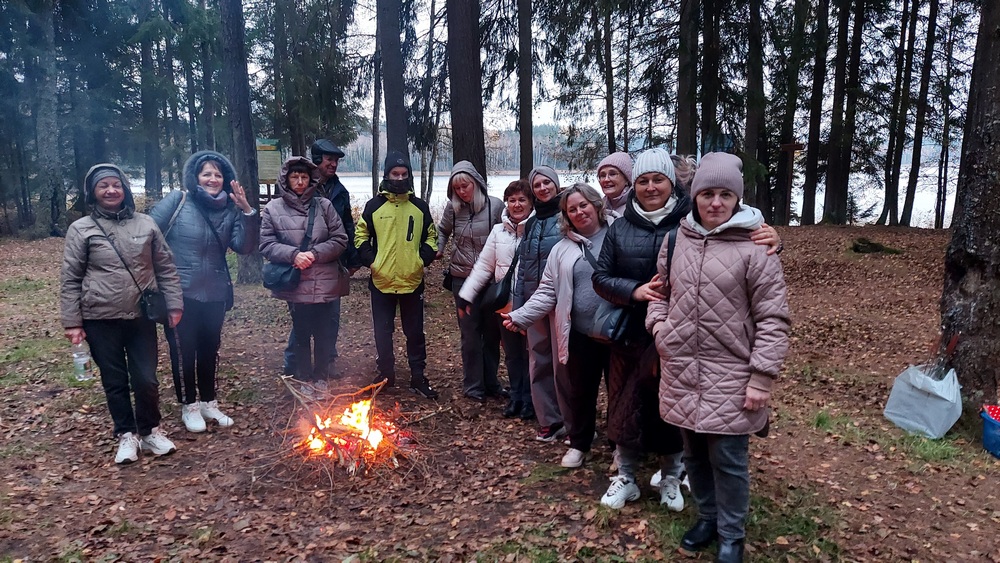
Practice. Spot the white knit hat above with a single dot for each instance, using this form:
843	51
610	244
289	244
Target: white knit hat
654	160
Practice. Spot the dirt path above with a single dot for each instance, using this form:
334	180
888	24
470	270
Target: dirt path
834	481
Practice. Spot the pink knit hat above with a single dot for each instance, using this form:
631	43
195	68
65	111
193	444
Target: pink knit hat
719	170
620	160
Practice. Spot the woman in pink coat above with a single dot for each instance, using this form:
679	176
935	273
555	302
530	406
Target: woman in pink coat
722	338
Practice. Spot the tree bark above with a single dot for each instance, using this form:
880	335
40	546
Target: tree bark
392	75
821	38
207	93
377	110
711	82
465	73
944	160
149	101
756	191
786	159
918	132
835	201
970	303
851	109
51	217
609	79
237	84
896	158
687	76
525	100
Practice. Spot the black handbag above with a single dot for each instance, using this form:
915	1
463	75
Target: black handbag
152	302
498	294
283	277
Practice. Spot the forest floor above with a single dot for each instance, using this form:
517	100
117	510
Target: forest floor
834	481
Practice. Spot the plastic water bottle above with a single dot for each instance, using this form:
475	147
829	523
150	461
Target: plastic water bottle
82	369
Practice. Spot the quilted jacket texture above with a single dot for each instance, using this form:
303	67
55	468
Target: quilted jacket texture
283	226
725	327
467	228
540	235
496	257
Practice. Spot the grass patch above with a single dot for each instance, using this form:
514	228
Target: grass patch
32	348
243	395
918	447
543	472
10	287
526	550
202	536
797	524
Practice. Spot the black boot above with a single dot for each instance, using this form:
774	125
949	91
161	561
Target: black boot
730	551
702	535
512	409
528	411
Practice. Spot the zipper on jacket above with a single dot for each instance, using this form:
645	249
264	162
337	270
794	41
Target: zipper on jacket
409	230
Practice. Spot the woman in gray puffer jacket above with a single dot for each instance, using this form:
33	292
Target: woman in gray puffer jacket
112	255
468	221
282	230
210	215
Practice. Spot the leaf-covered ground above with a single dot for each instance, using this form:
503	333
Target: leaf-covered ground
833	482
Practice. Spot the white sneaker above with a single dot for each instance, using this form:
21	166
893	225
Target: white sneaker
156	443
686	483
670	493
128	448
573	458
210	411
322	388
622	490
654	481
191	416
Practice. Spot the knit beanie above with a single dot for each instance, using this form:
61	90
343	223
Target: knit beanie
394	159
620	160
719	170
654	160
546	171
102	174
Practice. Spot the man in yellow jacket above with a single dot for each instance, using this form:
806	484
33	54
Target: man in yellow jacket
396	239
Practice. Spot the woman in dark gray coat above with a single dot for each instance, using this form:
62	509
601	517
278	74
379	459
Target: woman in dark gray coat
200	223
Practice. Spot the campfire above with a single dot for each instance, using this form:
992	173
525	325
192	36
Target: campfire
349	429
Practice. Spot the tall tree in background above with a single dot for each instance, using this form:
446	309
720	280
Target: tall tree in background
390	47
835	201
525	101
821	41
149	101
755	175
207	79
52	196
687	75
465	74
921	119
237	84
786	134
970	303
711	81
898	112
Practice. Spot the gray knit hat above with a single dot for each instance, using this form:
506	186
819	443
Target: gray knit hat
654	160
719	170
546	171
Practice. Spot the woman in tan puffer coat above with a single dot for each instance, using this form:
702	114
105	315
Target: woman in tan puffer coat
722	337
282	230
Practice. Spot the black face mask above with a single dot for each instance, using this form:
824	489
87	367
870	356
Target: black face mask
398	186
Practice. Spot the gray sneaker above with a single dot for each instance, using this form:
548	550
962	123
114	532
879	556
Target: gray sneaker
156	443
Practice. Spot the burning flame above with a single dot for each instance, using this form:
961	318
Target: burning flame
356	418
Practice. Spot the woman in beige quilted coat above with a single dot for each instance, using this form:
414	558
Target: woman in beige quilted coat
722	338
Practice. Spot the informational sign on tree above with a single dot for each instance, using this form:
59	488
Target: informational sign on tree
268	160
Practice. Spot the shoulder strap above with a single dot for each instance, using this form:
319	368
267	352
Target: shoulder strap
115	248
671	242
309	226
589	255
177	211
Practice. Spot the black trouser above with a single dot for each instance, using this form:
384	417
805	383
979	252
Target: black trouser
311	323
578	385
194	349
125	352
515	351
480	346
411	316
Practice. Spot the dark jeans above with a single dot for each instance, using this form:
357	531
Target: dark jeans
411	316
480	347
194	349
718	468
515	352
577	388
125	352
311	323
332	346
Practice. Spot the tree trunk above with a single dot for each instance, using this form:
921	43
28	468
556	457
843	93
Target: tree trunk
945	158
525	101
609	80
428	135
687	78
392	75
970	303
465	74
711	82
237	85
896	158
918	133
755	177
191	105
835	202
51	217
207	93
626	70
891	202
851	111
149	101
821	38
376	111
786	159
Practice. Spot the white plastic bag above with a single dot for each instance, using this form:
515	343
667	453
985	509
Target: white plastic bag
921	404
